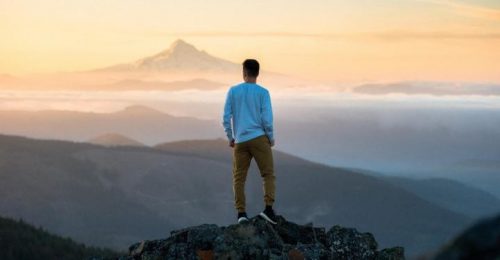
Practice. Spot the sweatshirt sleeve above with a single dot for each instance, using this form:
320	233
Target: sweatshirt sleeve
226	118
267	116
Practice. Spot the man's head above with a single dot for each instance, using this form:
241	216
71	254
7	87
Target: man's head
250	69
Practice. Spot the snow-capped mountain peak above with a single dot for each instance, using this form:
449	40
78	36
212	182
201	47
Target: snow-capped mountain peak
179	48
180	56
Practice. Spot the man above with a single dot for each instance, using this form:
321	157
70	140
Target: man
249	106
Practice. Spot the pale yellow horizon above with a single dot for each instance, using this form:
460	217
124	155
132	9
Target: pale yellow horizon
326	40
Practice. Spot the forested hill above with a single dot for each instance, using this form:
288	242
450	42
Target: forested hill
19	240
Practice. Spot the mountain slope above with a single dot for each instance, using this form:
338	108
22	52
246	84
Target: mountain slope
20	240
450	194
480	173
116	196
479	241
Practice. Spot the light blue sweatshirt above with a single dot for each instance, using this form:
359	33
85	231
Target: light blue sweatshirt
249	107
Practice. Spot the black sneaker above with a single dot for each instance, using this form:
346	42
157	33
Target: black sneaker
268	214
242	217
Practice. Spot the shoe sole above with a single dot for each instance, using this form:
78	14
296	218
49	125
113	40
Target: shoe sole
263	215
243	220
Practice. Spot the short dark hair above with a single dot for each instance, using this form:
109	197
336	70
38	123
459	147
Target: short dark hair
251	67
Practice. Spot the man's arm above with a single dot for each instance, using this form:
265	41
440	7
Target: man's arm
267	117
226	118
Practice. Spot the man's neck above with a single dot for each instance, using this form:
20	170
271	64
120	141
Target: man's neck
251	80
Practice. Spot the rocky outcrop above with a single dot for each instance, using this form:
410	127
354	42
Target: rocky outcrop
260	240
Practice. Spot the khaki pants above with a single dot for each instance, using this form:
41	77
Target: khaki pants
260	149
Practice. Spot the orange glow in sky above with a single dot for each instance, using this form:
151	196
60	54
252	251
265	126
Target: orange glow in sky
319	39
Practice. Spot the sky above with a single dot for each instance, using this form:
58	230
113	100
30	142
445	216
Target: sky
332	40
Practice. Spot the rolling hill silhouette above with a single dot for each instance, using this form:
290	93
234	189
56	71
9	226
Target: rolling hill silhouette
116	196
364	142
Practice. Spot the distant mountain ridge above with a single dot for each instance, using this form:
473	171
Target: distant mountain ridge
369	141
141	189
429	88
451	194
140	110
114	139
142	123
